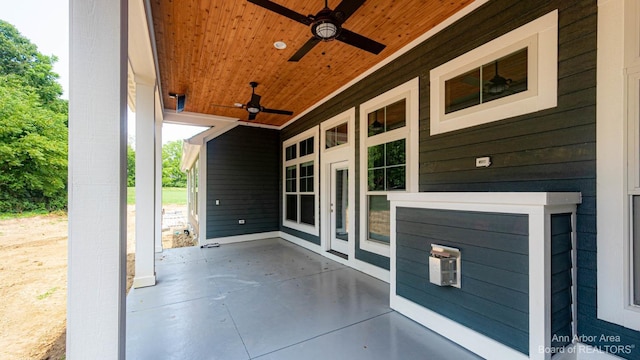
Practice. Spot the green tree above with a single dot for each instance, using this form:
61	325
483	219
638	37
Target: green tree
131	166
20	57
33	127
172	175
33	150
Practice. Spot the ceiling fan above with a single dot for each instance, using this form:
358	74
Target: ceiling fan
253	107
326	25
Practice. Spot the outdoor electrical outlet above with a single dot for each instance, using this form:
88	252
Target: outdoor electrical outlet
241	221
483	161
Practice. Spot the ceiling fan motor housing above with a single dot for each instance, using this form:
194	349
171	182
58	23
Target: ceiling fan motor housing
324	27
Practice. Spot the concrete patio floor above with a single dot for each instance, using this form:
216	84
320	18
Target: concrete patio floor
270	299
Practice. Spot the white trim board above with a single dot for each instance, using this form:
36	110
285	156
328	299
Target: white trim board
242	238
615	30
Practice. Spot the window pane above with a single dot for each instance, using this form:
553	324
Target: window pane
396	115
292	208
388	118
291	179
376	156
337	136
505	76
306	177
462	91
379	218
376	122
636	250
306	147
291	152
376	180
396	178
395	153
307	209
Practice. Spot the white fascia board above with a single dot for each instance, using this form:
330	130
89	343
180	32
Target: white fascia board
140	51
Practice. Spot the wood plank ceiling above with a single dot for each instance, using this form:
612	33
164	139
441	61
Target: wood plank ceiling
211	50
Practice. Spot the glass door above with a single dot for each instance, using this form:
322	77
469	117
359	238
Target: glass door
338	207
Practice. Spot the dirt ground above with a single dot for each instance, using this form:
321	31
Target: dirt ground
33	282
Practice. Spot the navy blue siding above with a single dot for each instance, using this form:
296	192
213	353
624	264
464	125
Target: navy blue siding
242	172
561	298
493	298
301	234
550	150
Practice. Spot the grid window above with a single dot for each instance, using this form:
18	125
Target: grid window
299	184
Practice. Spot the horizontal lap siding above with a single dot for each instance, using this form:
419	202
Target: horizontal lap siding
493	298
242	172
561	297
549	150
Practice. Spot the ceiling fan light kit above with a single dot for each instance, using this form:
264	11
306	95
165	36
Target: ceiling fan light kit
253	107
326	25
325	30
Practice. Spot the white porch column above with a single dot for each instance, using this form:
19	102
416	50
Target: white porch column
97	180
158	179
145	184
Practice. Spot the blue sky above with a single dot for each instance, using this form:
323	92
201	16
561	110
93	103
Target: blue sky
46	24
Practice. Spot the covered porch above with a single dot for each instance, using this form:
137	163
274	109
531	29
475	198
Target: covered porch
270	299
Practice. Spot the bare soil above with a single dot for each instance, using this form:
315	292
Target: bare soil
33	282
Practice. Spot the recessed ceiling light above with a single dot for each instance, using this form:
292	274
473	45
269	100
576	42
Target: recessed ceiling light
280	45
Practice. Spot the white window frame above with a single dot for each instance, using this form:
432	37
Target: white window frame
618	62
315	157
410	132
540	37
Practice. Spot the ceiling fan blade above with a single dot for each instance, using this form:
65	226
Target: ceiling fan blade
360	41
304	49
279	9
346	9
252	116
274	111
255	99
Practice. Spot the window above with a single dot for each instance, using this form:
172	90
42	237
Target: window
336	136
301	182
498	80
503	77
389	140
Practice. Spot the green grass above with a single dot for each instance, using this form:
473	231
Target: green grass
170	196
28	214
47	294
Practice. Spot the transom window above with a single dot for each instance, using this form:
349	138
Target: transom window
494	80
387	118
336	136
300	182
500	79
